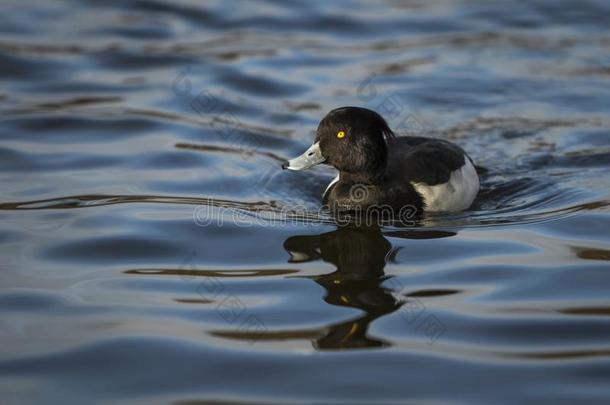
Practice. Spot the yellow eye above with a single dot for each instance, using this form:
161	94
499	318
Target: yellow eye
341	134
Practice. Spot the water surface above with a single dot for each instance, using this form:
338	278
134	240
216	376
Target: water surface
152	251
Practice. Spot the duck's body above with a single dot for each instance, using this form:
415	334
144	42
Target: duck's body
378	169
426	173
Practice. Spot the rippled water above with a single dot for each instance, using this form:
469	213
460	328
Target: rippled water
152	251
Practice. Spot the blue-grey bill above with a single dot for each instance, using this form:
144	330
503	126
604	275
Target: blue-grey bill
311	157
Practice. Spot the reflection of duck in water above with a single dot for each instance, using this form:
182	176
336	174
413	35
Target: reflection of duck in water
360	255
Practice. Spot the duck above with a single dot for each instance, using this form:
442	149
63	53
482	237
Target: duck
377	168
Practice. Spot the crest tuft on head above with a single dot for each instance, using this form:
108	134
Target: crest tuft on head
366	116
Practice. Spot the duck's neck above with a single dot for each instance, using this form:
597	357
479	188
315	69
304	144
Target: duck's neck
363	178
372	171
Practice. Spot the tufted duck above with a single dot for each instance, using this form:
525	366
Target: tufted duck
377	168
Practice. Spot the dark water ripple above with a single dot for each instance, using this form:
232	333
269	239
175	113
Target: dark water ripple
151	251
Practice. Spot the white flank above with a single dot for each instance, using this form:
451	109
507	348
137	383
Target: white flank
455	195
298	256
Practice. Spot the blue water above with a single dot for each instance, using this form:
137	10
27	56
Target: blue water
152	251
